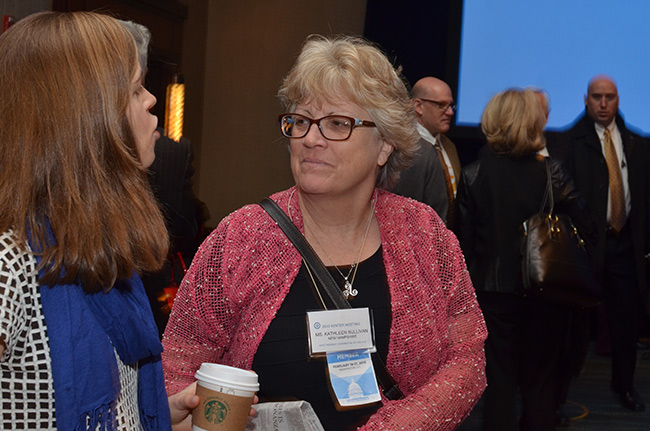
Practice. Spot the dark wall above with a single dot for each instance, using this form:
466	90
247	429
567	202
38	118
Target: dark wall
424	38
164	18
413	33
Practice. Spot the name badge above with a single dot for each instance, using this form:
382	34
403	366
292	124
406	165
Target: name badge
338	330
353	378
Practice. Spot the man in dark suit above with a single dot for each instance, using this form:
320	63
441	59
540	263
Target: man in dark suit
434	108
170	176
608	164
424	180
435	172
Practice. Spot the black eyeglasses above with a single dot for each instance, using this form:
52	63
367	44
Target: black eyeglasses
332	127
441	105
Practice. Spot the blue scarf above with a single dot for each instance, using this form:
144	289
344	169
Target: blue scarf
83	329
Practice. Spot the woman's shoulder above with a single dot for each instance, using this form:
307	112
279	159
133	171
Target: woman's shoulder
8	241
19	286
488	165
253	217
403	212
245	224
500	166
555	165
471	171
18	268
24	332
392	202
413	231
14	255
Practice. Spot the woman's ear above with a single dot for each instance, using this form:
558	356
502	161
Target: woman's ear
384	153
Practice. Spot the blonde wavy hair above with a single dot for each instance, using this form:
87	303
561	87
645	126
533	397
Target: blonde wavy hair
513	123
352	69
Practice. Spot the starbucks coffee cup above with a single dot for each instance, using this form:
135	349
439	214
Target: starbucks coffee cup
226	395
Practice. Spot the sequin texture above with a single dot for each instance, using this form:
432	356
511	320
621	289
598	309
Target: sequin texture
244	269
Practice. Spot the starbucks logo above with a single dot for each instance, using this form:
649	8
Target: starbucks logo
215	411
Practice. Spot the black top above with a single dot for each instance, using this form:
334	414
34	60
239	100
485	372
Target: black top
582	154
282	361
496	194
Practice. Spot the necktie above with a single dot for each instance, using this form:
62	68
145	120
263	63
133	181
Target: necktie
450	189
616	192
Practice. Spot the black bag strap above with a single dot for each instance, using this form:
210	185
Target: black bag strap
334	294
322	275
548	194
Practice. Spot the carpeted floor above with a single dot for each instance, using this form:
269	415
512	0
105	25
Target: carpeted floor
592	405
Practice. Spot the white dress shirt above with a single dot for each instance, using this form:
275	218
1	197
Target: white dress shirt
620	154
434	140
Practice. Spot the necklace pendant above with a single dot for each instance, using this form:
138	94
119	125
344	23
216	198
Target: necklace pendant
349	291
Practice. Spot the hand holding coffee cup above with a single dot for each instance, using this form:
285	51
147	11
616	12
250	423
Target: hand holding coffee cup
226	395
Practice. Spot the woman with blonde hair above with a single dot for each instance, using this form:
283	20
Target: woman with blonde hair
78	345
350	128
496	194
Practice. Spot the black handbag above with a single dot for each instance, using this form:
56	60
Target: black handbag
334	297
555	264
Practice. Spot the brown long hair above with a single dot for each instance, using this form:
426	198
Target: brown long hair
67	153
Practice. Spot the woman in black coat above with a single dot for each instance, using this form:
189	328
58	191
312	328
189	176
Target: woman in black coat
495	195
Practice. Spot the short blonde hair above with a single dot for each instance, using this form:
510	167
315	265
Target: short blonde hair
351	68
513	123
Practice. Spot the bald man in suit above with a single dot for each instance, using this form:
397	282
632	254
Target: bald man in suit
434	108
620	213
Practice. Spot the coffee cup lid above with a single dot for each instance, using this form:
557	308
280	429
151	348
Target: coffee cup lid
230	377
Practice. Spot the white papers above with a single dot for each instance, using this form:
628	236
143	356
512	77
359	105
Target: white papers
285	416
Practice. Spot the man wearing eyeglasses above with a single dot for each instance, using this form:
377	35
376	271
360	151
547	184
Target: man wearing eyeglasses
433	176
434	107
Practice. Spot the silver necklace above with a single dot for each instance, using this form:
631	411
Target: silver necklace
347	284
348	291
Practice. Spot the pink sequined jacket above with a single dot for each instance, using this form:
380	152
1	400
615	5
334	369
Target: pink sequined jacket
244	269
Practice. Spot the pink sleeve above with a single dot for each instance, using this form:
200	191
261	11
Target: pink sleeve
451	391
196	331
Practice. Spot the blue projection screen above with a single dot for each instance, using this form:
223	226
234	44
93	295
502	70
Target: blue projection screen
557	45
